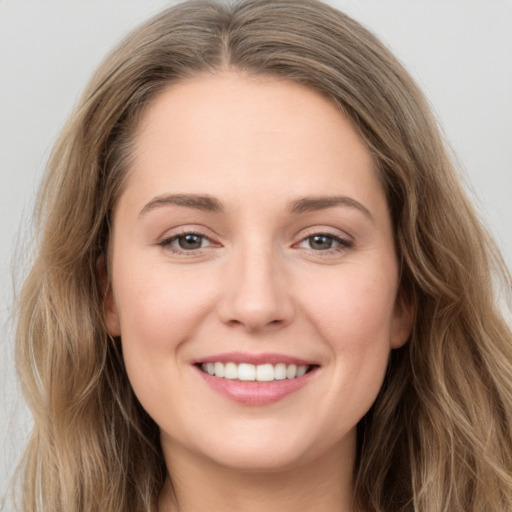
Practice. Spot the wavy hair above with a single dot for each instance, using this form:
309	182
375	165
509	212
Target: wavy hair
439	436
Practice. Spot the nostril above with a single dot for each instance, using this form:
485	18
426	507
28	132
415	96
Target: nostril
255	304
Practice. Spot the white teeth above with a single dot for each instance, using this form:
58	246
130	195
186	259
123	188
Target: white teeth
301	370
231	371
280	371
250	372
219	370
264	372
246	371
291	371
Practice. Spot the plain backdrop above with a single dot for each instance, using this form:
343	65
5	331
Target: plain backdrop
459	51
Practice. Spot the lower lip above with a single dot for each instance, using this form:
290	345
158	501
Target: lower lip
254	392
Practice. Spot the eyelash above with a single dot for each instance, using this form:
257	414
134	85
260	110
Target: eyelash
167	243
342	244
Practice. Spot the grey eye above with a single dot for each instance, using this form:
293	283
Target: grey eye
320	242
190	241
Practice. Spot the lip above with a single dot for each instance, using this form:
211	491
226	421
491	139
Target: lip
255	393
261	358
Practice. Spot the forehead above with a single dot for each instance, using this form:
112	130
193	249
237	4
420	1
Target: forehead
228	133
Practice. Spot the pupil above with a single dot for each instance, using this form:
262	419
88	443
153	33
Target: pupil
320	242
190	242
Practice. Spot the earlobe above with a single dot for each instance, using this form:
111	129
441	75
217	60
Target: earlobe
403	321
110	312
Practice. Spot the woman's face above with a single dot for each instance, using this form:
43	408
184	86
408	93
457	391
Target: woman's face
253	240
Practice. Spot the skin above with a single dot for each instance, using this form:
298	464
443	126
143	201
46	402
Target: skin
256	284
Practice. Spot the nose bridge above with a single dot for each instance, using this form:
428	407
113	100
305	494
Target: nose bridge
256	294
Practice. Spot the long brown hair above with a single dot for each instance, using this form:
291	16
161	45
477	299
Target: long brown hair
439	436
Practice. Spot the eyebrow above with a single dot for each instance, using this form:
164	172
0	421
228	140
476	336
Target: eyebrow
309	204
202	202
205	202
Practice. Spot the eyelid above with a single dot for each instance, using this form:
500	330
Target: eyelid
325	230
343	240
185	229
171	235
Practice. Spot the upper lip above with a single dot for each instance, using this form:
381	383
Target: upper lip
256	359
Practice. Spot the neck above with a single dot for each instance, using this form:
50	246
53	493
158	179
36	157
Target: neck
325	483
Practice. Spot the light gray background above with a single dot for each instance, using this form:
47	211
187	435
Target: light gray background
460	52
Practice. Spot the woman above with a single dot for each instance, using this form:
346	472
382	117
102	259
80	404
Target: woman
259	284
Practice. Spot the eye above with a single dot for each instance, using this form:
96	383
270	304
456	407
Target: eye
325	242
190	241
186	242
320	242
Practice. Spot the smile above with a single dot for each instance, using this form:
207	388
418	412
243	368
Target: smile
255	379
251	372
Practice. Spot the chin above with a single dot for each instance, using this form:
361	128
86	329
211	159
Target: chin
260	461
264	452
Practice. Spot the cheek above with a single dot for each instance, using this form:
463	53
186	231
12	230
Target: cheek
353	314
159	310
353	310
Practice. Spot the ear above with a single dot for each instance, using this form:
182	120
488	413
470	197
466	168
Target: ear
403	321
110	312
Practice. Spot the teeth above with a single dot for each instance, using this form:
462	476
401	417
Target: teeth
264	372
250	372
230	371
301	370
219	369
246	372
280	371
291	371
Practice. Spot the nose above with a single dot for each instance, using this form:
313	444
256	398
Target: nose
256	295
